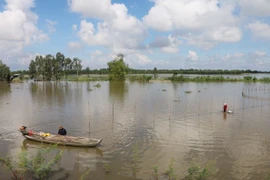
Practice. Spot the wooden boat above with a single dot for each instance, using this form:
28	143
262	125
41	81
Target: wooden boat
64	140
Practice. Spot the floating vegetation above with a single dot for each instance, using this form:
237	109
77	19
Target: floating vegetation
163	90
143	78
85	174
188	92
155	172
107	168
89	89
35	166
97	85
171	172
195	172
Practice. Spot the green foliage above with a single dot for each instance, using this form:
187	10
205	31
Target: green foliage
97	85
77	65
171	172
140	78
32	166
247	78
50	67
155	172
195	172
85	174
87	71
117	69
4	72
107	168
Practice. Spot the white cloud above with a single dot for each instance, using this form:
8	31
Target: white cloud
168	44
51	25
260	30
18	28
255	8
137	60
173	46
100	9
75	46
260	53
192	56
227	34
117	29
74	27
202	20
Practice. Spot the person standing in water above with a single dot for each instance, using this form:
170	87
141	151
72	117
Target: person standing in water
225	107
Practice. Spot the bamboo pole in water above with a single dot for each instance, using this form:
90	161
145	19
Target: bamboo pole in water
170	109
89	117
113	111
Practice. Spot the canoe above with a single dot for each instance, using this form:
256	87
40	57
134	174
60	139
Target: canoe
65	140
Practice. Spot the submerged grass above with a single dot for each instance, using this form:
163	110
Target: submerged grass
143	78
27	167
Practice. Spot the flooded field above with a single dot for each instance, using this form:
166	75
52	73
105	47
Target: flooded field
155	121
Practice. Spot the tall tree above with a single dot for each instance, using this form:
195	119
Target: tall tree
49	59
58	65
32	69
4	72
118	68
87	70
67	66
77	65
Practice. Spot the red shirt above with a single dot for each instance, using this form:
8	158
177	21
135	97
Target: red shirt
225	107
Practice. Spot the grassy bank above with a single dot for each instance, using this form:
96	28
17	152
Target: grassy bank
182	78
149	78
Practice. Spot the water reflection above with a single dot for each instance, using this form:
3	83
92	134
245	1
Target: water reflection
225	116
117	90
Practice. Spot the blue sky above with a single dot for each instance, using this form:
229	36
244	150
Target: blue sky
171	34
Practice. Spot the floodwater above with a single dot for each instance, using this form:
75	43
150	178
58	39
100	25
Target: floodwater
143	125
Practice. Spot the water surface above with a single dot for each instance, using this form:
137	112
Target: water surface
154	121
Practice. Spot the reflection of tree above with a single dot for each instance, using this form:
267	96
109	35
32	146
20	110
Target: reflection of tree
5	88
117	90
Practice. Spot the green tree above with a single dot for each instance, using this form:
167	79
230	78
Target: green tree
49	59
32	69
117	68
87	70
67	66
4	72
77	65
155	73
58	65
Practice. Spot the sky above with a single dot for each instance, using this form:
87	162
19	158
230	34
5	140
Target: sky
166	34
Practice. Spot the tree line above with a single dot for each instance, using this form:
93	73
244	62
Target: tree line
51	67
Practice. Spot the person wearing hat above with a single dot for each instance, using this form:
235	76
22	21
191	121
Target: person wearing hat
62	131
225	106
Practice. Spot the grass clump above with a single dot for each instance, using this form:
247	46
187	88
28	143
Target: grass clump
195	172
155	172
171	172
28	167
107	168
97	85
143	78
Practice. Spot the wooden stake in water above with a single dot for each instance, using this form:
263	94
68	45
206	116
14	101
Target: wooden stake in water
113	111
89	117
170	109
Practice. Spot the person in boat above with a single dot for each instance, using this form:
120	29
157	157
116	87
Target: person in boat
62	131
25	132
225	107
